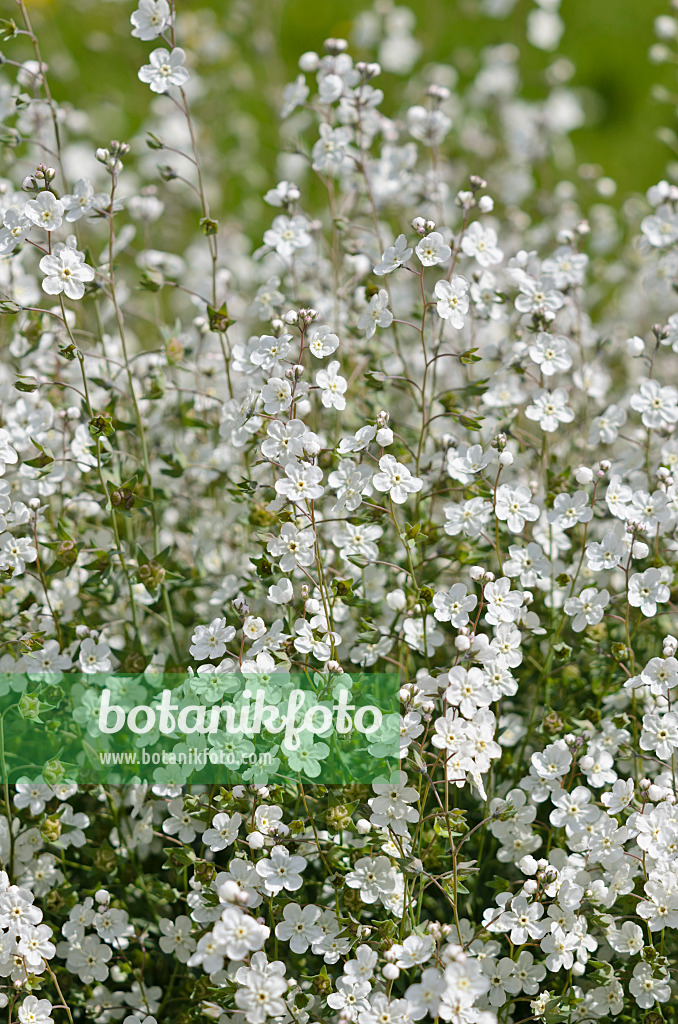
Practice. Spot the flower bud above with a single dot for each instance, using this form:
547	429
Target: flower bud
396	600
635	346
583	475
309	61
335	46
256	840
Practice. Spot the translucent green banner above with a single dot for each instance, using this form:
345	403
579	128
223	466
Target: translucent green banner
206	728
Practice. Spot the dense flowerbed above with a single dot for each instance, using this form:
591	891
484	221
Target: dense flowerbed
424	426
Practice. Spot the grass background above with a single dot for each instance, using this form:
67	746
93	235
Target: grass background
89	46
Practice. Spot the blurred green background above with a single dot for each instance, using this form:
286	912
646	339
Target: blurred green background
89	45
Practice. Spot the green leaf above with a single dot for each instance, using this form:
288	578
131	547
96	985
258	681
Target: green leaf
28	385
376	380
471	423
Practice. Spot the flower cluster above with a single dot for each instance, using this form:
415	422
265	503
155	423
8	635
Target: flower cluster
413	417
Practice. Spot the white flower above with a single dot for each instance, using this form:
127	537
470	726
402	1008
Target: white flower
432	250
261	991
176	937
661	228
165	70
514	506
66	271
150	19
330	151
566	267
605	427
627	939
539	296
528	563
321	341
619	797
394	257
270	351
568	510
302	483
15	552
503	604
294	95
350	482
35	1011
306	642
94	657
376	315
210	641
358	540
422	635
287	234
559	947
253	627
299	927
428	126
588	608
396	480
181	822
551	353
464	462
372	876
83	200
8	454
468	518
467	690
277	395
89	960
281	871
237	934
643	985
453	300
647	589
223	831
14	230
657	405
332	385
553	762
292	547
499	974
481	243
549	409
46	211
454	605
281	592
660	733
